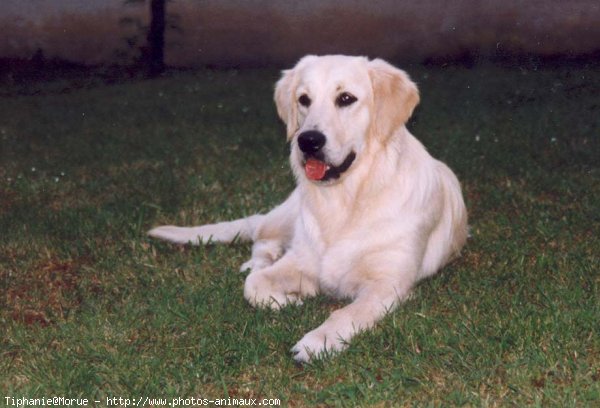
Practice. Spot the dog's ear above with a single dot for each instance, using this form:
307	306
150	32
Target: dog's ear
284	101
395	97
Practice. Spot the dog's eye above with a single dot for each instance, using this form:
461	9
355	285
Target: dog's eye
304	100
345	99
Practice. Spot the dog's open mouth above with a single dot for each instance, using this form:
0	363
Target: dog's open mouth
318	170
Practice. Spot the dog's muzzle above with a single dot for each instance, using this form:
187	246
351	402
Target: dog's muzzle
316	167
311	142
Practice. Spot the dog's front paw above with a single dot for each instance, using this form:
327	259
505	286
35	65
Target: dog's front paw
317	344
260	291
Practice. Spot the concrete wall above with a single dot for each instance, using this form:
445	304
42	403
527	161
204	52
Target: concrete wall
257	32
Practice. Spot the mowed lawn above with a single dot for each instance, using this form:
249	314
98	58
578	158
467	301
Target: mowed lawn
91	308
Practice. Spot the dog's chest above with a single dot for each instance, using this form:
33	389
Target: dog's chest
338	243
326	226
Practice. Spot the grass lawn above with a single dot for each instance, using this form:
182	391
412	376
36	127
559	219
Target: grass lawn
91	308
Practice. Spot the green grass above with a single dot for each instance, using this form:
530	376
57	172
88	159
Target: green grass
90	307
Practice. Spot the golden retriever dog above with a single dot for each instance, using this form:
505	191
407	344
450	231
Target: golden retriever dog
372	214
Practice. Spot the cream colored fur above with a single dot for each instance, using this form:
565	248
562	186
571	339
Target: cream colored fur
394	217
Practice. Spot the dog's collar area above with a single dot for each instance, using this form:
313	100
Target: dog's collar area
334	172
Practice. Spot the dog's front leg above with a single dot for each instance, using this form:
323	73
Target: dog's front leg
281	283
333	336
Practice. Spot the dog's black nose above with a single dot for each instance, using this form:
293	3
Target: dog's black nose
311	141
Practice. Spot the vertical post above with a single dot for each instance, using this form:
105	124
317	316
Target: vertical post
156	38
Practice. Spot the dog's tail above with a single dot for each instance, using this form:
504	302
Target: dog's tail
229	231
275	225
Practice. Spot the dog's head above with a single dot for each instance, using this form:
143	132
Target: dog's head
334	105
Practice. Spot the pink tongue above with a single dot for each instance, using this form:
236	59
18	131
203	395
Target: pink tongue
315	169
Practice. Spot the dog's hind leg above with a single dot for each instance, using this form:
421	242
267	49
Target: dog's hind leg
283	282
273	234
264	253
